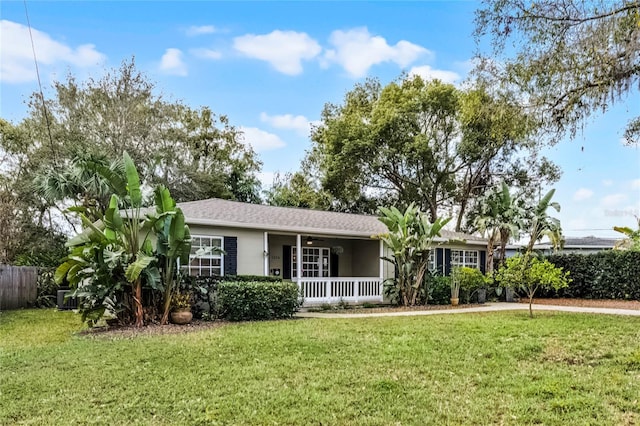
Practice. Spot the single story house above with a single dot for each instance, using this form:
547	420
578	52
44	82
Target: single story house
331	256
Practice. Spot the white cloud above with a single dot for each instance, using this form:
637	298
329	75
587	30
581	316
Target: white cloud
196	30
284	50
260	140
607	182
171	63
613	200
635	184
428	73
16	55
356	50
204	53
299	123
582	194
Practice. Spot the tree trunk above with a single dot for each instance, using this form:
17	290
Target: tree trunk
137	299
168	293
530	307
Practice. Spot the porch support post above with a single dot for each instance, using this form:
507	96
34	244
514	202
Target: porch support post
299	258
381	269
266	254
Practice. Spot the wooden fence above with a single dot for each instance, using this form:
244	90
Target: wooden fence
18	286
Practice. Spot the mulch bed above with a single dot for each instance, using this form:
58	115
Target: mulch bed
126	332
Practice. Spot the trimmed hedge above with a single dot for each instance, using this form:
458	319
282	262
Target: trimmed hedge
611	274
205	291
250	301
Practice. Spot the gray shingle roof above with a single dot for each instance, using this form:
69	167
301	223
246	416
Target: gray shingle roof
582	242
217	212
590	242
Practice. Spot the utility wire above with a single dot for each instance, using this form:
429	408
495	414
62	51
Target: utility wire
44	105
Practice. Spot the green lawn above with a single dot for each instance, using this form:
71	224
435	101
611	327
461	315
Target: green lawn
492	368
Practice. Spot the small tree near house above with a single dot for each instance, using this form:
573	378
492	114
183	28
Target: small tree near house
531	274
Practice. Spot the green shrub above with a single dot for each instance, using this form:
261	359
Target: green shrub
47	289
439	290
611	274
248	301
205	291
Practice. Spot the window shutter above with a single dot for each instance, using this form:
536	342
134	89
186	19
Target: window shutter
447	262
231	256
483	261
439	260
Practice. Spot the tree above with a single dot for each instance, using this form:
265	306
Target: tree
193	152
499	216
539	223
423	142
85	183
410	239
297	190
571	57
531	274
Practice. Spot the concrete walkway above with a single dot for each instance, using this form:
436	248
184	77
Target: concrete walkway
487	307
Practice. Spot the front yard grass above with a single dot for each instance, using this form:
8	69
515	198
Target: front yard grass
489	368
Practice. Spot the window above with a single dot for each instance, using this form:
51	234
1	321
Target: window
210	263
315	262
432	260
468	258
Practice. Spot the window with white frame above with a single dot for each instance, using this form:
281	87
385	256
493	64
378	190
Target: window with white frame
205	259
468	258
315	262
432	260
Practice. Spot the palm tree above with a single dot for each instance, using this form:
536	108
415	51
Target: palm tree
85	181
540	223
500	219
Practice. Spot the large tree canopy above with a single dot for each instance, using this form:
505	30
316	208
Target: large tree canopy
50	158
192	151
424	142
572	57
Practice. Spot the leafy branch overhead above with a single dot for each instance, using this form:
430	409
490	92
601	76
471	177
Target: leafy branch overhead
572	58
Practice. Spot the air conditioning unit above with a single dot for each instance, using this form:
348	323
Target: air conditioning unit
66	303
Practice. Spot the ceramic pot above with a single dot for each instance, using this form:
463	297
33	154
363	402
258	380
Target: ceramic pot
181	317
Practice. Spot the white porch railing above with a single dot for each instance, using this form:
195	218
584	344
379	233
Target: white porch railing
348	289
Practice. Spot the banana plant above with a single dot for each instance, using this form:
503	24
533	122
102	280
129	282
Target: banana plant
632	242
410	238
173	244
122	231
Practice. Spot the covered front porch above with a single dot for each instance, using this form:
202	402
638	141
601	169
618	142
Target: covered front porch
329	268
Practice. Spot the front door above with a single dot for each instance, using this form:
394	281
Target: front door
316	262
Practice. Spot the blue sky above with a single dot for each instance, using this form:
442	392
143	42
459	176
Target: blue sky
271	66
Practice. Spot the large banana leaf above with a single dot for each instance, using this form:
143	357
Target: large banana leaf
133	181
164	201
112	219
135	269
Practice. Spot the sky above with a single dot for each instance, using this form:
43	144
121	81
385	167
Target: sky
272	66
